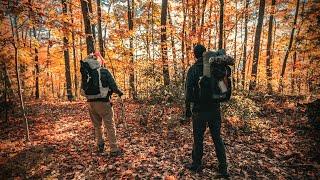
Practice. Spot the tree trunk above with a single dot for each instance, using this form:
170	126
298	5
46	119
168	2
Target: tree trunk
16	56
74	55
188	37
36	66
48	65
294	79
245	42
152	37
164	53
66	54
149	20
221	24
256	48
294	58
173	48
269	58
93	26
193	22
200	34
133	91
209	19
101	45
216	35
289	46
6	89
235	45
183	41
87	26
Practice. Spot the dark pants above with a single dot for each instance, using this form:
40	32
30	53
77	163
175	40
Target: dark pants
199	122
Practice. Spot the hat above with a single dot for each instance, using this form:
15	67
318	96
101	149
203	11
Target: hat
198	50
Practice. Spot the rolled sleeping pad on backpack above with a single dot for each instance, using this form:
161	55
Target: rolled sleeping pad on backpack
218	57
221	57
206	65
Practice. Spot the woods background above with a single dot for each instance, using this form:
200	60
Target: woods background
148	45
271	124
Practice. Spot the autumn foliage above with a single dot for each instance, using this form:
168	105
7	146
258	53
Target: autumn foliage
148	47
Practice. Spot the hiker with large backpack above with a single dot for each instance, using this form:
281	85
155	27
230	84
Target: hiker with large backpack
207	84
97	86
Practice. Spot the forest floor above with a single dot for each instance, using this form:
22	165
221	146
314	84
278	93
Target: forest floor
279	143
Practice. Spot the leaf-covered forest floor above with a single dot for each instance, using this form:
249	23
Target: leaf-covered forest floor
278	143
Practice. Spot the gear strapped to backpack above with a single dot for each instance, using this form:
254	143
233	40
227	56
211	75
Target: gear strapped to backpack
92	86
215	84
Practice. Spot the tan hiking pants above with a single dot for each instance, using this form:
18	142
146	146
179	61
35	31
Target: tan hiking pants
103	112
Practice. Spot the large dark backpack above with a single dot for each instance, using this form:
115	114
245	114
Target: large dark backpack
215	84
92	86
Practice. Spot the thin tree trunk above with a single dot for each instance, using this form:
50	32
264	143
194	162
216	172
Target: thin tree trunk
289	46
294	59
36	66
221	24
16	59
87	26
101	45
216	35
209	19
269	55
294	79
183	41
173	48
235	45
80	41
188	37
6	89
66	54
193	22
52	87
133	91
93	26
200	34
152	37
74	55
256	48
147	31
48	64
245	42
164	52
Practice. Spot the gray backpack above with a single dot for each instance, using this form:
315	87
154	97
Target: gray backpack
92	86
215	84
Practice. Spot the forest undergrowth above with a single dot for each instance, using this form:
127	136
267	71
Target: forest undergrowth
264	138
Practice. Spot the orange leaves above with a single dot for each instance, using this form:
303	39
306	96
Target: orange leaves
64	145
170	178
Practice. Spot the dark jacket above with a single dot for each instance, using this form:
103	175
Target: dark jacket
107	80
192	89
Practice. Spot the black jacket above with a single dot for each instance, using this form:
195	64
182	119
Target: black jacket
107	80
192	89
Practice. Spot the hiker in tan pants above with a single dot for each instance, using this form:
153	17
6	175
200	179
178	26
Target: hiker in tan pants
97	86
102	112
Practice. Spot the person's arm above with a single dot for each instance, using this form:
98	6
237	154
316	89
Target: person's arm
189	92
111	82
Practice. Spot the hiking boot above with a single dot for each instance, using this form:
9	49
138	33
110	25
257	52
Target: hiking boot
101	148
223	172
116	153
194	167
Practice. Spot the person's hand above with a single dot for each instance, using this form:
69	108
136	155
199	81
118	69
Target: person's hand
97	53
